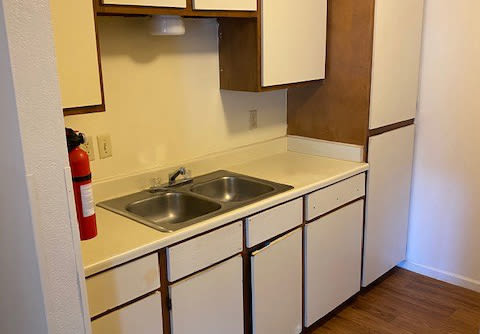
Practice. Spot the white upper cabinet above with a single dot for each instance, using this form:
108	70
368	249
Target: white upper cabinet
150	3
293	41
390	156
396	61
248	5
76	52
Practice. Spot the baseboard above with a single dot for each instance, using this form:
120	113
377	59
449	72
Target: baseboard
324	148
441	275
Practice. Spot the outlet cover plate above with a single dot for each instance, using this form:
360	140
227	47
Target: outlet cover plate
104	146
89	148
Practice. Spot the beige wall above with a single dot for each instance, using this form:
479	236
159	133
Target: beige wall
164	105
445	212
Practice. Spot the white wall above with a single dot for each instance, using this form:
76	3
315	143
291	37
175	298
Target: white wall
40	279
444	237
164	105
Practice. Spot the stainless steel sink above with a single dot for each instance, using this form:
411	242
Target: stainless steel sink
172	208
232	189
175	207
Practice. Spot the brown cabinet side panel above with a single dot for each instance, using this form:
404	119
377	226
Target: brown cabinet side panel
337	109
239	54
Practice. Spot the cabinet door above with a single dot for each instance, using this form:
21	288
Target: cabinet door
209	302
333	256
143	316
277	286
76	50
390	157
150	3
293	41
249	5
396	61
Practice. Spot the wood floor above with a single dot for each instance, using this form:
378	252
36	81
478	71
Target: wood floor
405	302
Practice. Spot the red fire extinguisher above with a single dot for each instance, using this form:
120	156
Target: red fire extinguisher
82	185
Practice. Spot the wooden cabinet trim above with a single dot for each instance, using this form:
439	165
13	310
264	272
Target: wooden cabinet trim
119	307
84	110
390	127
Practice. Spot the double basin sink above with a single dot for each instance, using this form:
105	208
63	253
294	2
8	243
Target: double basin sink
174	207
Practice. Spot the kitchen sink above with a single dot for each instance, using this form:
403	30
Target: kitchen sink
232	189
172	208
175	207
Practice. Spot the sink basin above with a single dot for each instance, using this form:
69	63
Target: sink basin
176	207
232	189
172	208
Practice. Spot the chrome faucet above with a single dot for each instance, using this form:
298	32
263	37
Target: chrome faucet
172	178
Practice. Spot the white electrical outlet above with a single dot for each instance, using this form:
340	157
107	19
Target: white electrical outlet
253	120
89	148
104	146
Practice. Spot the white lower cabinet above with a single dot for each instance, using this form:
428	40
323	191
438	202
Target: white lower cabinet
143	316
209	302
277	286
333	256
390	156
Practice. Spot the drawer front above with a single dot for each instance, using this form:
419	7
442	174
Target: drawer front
273	222
327	199
248	5
201	252
149	3
144	316
123	284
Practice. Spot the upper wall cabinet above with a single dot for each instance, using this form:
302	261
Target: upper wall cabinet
77	55
152	3
293	41
285	45
249	5
189	8
397	42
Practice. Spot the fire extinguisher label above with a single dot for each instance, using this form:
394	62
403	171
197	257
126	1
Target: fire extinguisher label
88	206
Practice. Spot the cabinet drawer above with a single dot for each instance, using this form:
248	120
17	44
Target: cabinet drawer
201	252
249	5
327	199
122	284
273	222
150	3
144	316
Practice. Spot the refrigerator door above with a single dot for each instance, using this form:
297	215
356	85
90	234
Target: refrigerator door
396	61
388	201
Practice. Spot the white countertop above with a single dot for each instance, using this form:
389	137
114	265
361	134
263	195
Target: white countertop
120	239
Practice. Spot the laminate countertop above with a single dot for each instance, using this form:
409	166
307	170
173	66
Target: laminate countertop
121	239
